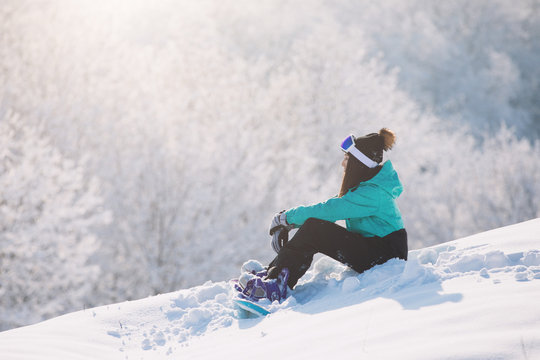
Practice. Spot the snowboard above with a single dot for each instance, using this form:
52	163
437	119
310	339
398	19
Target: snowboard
252	286
251	307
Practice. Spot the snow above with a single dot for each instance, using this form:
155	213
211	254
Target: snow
472	298
140	152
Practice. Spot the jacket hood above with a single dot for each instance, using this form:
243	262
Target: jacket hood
387	179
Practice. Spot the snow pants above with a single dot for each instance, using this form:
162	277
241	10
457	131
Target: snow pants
352	249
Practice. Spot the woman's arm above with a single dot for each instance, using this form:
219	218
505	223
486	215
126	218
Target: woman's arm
351	205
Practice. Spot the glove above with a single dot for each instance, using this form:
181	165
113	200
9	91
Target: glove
279	221
279	229
279	238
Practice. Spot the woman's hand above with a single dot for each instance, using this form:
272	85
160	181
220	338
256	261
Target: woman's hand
279	221
279	239
279	229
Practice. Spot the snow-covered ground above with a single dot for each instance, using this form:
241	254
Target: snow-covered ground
472	298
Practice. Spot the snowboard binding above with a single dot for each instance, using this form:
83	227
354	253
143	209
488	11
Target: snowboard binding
254	285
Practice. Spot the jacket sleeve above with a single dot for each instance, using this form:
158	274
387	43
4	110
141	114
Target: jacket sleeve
349	206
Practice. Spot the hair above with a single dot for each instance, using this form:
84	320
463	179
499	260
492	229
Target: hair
357	172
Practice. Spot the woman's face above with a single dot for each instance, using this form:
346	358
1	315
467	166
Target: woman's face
345	160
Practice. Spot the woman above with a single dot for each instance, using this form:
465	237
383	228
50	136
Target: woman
374	230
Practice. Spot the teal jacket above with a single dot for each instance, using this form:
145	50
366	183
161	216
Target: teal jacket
370	209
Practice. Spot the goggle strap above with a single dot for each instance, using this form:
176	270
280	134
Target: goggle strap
361	157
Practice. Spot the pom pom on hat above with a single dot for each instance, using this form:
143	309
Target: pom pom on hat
372	145
389	138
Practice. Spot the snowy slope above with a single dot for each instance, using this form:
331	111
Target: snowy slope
473	298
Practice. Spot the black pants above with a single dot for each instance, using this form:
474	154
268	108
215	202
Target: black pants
354	250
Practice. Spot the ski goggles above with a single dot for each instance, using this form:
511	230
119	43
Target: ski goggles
348	146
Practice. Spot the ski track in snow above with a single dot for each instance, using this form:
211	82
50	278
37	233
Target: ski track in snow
193	312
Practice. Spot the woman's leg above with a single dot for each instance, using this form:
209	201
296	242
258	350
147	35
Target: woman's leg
314	236
352	249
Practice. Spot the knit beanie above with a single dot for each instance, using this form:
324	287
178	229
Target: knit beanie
373	145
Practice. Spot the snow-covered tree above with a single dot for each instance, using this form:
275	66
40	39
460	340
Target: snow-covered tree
48	211
202	120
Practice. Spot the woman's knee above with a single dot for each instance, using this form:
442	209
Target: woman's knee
314	223
315	234
310	228
305	236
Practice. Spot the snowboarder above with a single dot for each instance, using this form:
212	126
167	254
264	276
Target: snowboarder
374	230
